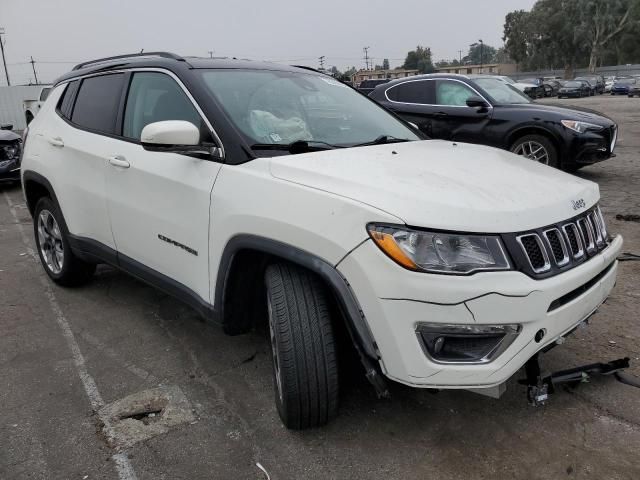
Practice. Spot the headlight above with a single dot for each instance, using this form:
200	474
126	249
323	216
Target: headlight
440	252
580	127
10	152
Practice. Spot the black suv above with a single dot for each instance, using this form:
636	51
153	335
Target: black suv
485	110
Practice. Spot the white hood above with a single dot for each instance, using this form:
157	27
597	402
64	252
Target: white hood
443	185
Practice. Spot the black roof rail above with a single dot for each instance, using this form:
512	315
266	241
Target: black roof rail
131	55
311	69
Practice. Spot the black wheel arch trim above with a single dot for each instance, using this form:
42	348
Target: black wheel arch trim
353	313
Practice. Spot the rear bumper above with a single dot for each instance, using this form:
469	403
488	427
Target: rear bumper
396	302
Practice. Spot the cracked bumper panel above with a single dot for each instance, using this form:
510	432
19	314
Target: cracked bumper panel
395	300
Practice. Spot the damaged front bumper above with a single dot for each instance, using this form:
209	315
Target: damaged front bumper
399	304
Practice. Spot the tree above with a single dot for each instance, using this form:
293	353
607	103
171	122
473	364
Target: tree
602	21
478	54
573	33
385	64
419	59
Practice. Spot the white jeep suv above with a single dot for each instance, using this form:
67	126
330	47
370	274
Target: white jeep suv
252	190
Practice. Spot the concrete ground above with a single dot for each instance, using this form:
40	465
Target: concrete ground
66	353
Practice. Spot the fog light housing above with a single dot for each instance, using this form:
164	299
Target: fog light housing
473	344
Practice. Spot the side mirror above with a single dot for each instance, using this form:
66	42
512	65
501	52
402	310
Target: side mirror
6	126
476	102
170	133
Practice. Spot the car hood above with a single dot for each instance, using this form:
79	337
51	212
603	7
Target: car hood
443	185
547	112
8	136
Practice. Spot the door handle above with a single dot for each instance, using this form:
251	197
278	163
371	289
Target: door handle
119	161
440	114
56	141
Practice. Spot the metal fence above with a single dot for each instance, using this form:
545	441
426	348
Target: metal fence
611	71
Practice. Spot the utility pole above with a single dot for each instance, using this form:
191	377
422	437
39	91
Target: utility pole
210	53
460	53
366	56
33	66
321	58
481	54
4	61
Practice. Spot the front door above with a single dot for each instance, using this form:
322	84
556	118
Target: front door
452	119
159	202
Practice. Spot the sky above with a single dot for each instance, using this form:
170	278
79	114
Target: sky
60	33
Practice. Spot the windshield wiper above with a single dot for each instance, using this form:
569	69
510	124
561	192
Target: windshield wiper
299	146
382	139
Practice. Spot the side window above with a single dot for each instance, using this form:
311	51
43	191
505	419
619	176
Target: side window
154	97
420	91
452	93
97	103
44	94
65	104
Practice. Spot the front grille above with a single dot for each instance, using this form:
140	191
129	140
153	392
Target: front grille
535	252
547	251
558	246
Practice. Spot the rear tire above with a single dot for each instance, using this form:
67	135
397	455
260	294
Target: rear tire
52	243
538	148
305	366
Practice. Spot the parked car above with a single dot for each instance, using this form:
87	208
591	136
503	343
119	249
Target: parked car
595	81
554	87
481	109
634	90
591	84
535	87
10	152
574	89
367	86
608	84
32	107
622	85
261	192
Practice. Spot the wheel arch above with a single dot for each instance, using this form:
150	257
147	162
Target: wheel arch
35	186
251	254
537	130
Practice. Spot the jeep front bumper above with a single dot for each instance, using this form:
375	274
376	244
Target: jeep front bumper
396	302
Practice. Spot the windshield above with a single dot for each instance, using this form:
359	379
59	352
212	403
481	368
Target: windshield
279	108
626	81
572	84
501	92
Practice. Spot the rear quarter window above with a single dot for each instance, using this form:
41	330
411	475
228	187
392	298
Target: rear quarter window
65	104
97	103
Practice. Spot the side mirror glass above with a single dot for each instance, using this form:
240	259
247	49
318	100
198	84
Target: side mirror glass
6	126
476	102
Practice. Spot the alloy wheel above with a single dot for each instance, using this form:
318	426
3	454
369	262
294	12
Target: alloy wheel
533	151
50	242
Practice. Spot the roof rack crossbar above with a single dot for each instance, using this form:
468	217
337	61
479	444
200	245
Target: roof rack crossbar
131	55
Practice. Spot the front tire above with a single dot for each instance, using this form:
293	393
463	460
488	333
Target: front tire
52	243
305	365
538	148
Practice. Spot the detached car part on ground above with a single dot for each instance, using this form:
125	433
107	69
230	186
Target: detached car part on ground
10	152
485	109
448	265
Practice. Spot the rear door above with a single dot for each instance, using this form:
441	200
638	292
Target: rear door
413	100
159	202
77	142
